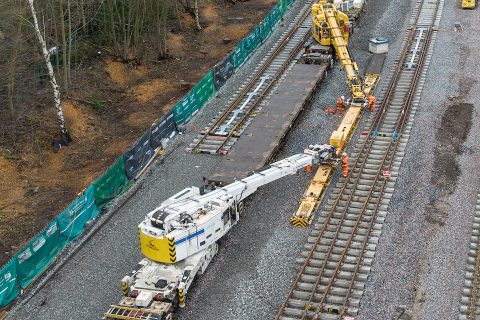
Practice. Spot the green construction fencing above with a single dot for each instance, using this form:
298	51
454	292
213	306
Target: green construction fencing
38	254
205	89
194	100
42	250
111	184
28	264
250	43
8	283
72	220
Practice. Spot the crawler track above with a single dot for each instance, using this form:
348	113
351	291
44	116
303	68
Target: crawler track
470	305
337	258
222	133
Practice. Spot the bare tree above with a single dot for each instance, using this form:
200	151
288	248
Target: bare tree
197	20
12	71
53	81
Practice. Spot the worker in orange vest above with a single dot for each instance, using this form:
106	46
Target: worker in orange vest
345	164
341	103
371	102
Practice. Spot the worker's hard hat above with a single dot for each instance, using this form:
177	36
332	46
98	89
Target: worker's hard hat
343	97
344	154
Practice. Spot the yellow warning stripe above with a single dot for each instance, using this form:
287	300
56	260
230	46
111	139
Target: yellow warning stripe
125	288
181	297
172	251
299	222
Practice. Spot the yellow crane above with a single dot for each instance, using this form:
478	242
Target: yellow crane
469	4
331	27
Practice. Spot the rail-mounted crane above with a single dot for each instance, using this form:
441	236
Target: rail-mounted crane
331	27
179	238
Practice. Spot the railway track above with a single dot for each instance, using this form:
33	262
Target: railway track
224	130
470	303
337	258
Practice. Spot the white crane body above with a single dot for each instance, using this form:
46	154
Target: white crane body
179	237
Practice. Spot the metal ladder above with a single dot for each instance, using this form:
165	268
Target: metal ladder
126	313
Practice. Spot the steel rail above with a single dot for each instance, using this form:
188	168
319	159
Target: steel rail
400	126
378	119
337	200
252	82
393	145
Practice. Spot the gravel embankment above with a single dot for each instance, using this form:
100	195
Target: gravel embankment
421	255
251	275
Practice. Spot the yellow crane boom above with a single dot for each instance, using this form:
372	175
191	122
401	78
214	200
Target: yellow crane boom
331	27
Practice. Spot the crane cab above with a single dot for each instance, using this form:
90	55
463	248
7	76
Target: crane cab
321	31
468	4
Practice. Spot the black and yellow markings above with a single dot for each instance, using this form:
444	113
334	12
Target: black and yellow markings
181	297
299	222
125	288
172	250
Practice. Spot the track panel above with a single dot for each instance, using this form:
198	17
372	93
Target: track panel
470	303
224	130
337	258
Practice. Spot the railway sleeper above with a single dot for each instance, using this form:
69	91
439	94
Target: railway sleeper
315	265
320	256
356	201
377	226
335	220
361	276
319	250
357	211
333	224
337	216
349	189
296	314
353	216
375	232
336	296
324	245
346	232
340	283
334	301
352	255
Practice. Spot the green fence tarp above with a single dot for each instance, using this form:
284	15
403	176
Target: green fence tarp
194	100
111	184
275	14
8	283
282	5
252	41
38	254
205	89
239	55
266	27
72	220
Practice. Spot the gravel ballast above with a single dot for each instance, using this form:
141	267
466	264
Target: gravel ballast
420	259
250	277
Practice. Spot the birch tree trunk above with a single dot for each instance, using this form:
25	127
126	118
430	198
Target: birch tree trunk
53	81
64	47
197	20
